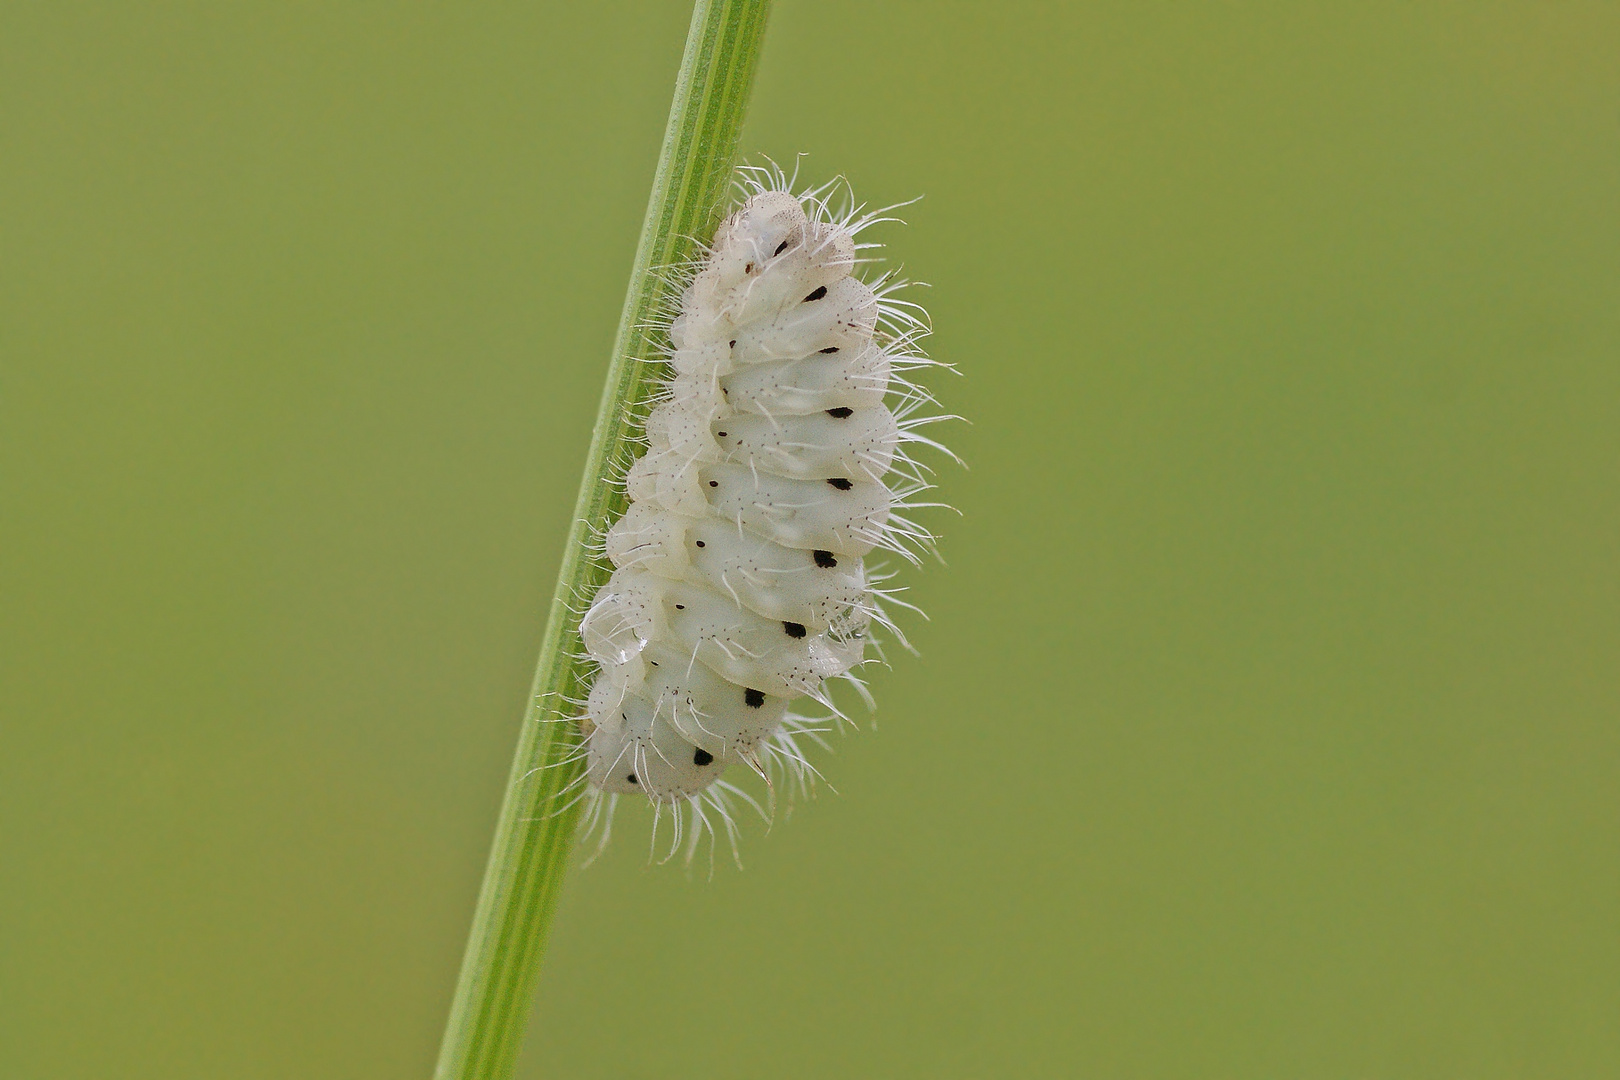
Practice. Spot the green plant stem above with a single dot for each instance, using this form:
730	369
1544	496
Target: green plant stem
532	839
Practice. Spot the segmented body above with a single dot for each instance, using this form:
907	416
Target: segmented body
740	583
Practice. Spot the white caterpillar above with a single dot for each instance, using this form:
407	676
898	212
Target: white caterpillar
740	584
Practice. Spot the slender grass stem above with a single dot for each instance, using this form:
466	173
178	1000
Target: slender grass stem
532	840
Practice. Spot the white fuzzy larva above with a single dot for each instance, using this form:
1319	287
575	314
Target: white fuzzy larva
739	584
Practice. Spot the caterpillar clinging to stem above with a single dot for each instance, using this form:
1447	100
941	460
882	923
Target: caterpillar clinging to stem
777	460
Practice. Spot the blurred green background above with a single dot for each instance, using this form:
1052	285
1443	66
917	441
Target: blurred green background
1266	724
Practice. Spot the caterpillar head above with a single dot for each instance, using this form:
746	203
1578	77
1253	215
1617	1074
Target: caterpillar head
765	225
766	256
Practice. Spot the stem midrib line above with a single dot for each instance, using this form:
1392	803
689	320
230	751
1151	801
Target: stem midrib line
532	840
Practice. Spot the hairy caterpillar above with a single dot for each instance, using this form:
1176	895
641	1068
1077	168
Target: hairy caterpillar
776	461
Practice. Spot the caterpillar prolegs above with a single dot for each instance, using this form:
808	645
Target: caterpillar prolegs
776	463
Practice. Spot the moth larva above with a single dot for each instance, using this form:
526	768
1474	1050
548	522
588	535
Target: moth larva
776	461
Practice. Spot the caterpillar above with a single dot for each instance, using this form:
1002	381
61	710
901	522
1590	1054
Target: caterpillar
776	462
